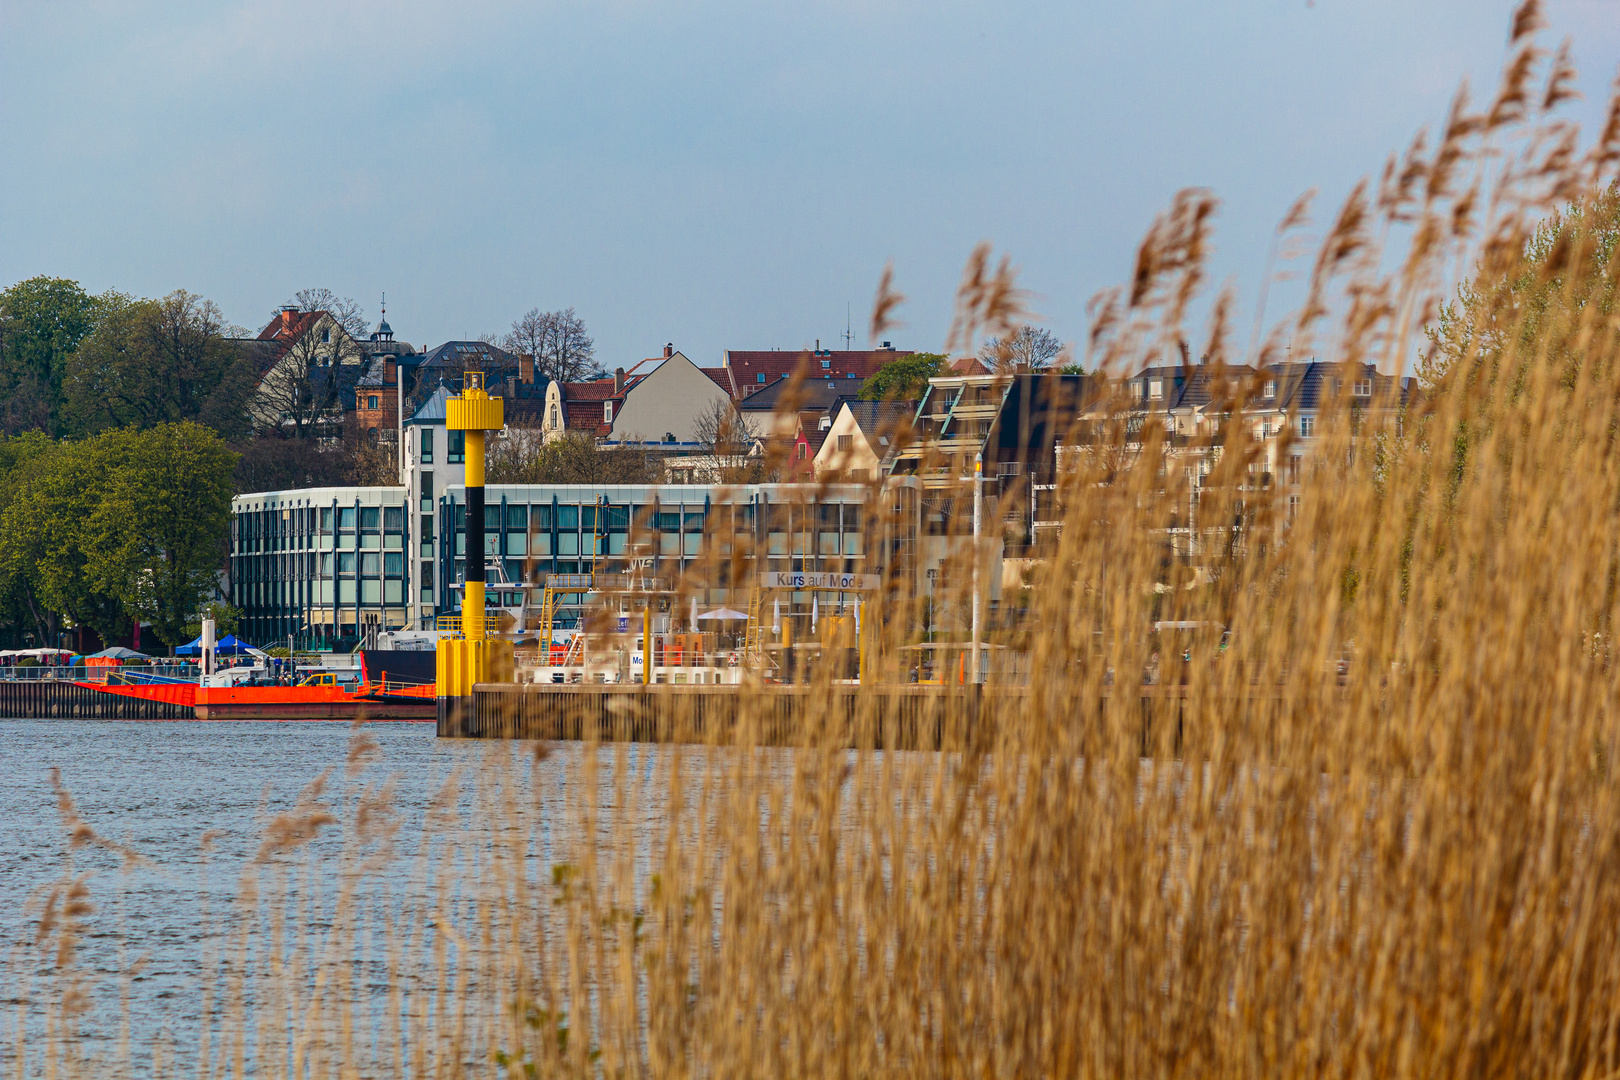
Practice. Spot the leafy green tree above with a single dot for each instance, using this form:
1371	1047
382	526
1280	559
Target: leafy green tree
152	362
42	321
1535	306
227	619
160	533
904	379
42	534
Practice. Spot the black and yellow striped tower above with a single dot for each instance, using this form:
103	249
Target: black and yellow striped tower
472	656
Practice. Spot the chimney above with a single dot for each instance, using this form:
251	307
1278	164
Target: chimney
526	369
618	378
669	351
390	373
289	312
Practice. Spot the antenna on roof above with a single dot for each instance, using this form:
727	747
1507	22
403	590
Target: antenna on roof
847	326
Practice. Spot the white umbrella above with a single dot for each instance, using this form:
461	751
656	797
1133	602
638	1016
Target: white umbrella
694	614
776	616
857	620
815	609
721	613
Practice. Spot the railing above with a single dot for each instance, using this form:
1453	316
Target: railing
449	623
84	673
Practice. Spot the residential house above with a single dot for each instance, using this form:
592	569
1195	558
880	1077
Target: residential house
662	399
309	367
859	436
746	372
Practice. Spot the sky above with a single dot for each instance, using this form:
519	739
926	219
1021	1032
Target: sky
729	174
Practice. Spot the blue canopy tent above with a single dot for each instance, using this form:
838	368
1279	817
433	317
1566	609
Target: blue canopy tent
229	645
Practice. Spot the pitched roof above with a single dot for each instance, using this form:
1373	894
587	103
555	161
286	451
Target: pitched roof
433	410
288	326
813	391
879	417
968	365
748	365
1310	384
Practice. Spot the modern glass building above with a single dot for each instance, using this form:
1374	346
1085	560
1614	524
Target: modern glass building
319	564
322	564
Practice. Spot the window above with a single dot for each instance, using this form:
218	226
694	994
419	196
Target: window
326	519
1155	389
844	443
1293	507
804	450
607	412
1307	425
394	518
1271	388
517	516
857	476
1293	469
371	518
370	564
326	336
458	448
826	363
345	562
762	377
371	401
393	563
1362	388
426	437
346	519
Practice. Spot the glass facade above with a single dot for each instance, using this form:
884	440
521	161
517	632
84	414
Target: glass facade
319	565
322	564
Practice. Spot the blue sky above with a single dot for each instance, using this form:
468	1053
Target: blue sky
718	174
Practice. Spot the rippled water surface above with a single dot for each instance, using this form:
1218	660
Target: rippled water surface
158	788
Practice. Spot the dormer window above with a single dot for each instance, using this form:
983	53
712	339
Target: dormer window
762	376
1362	388
1271	388
607	412
1155	389
826	363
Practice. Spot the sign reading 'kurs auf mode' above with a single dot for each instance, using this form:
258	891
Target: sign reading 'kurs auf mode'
829	582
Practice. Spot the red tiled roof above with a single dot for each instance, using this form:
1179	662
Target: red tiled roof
289	326
585	415
747	366
968	365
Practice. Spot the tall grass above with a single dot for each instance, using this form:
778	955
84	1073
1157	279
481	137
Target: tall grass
1375	835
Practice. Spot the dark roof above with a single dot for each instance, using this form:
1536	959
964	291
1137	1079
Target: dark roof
879	416
747	366
433	410
1309	385
461	354
814	392
1188	385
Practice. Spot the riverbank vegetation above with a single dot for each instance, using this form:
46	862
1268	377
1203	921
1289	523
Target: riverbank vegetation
1360	818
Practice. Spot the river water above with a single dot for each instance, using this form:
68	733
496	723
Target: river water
159	788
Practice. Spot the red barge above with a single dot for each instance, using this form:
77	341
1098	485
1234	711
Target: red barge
390	688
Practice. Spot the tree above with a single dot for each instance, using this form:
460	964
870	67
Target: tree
1030	348
151	362
42	320
275	461
904	379
161	530
344	311
524	456
557	340
301	389
1534	306
730	438
42	534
